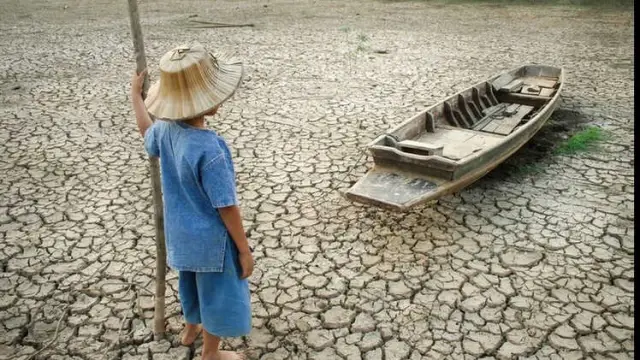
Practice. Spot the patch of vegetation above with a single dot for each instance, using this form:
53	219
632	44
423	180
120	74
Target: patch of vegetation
566	132
583	140
357	45
363	43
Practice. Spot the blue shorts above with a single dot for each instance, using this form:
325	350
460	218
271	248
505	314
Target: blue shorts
220	301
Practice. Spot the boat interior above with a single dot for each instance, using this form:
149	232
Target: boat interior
477	118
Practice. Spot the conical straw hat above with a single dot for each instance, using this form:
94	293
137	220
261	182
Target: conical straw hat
192	83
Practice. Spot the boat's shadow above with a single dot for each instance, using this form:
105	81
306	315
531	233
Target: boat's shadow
538	152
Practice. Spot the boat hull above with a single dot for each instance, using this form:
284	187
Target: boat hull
400	185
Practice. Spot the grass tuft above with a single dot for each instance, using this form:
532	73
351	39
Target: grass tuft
582	141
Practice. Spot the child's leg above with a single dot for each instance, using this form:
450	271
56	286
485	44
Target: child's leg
188	293
225	306
211	349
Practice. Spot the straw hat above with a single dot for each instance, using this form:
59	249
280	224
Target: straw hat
192	83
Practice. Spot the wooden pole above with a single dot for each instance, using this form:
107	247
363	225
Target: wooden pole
161	252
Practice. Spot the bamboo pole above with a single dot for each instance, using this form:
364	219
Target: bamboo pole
161	252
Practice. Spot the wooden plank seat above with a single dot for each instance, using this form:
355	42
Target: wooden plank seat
550	83
547	92
514	86
537	86
504	123
420	148
529	85
530	90
524	99
458	143
488	115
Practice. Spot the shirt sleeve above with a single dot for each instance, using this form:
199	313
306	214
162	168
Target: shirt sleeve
218	180
151	140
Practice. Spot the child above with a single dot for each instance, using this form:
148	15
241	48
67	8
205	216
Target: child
205	239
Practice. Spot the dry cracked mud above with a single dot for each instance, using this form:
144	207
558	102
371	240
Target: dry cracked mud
517	266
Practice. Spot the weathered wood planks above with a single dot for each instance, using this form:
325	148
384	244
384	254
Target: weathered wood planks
505	125
513	86
424	148
547	92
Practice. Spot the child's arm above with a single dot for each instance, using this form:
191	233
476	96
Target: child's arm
142	116
233	221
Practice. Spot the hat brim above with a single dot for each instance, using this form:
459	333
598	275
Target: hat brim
216	87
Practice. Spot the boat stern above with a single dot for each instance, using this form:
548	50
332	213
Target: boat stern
392	189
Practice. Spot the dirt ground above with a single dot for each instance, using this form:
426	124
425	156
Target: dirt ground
526	266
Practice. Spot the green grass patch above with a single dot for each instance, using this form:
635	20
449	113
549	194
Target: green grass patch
584	140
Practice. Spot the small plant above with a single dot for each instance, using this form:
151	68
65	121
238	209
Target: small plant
363	43
582	141
359	45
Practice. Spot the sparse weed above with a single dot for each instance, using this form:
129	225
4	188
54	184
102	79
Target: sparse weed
356	46
584	140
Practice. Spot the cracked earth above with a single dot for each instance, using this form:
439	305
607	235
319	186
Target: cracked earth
517	266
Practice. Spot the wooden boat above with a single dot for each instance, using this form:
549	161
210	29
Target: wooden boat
457	141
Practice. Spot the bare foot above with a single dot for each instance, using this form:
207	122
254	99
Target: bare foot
224	355
190	333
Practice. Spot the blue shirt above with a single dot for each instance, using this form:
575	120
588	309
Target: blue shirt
197	178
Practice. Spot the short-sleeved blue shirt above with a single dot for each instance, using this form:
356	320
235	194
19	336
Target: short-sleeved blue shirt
197	178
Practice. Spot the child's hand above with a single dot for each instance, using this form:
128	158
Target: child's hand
246	263
137	81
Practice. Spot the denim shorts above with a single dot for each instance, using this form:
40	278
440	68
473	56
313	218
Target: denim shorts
220	301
